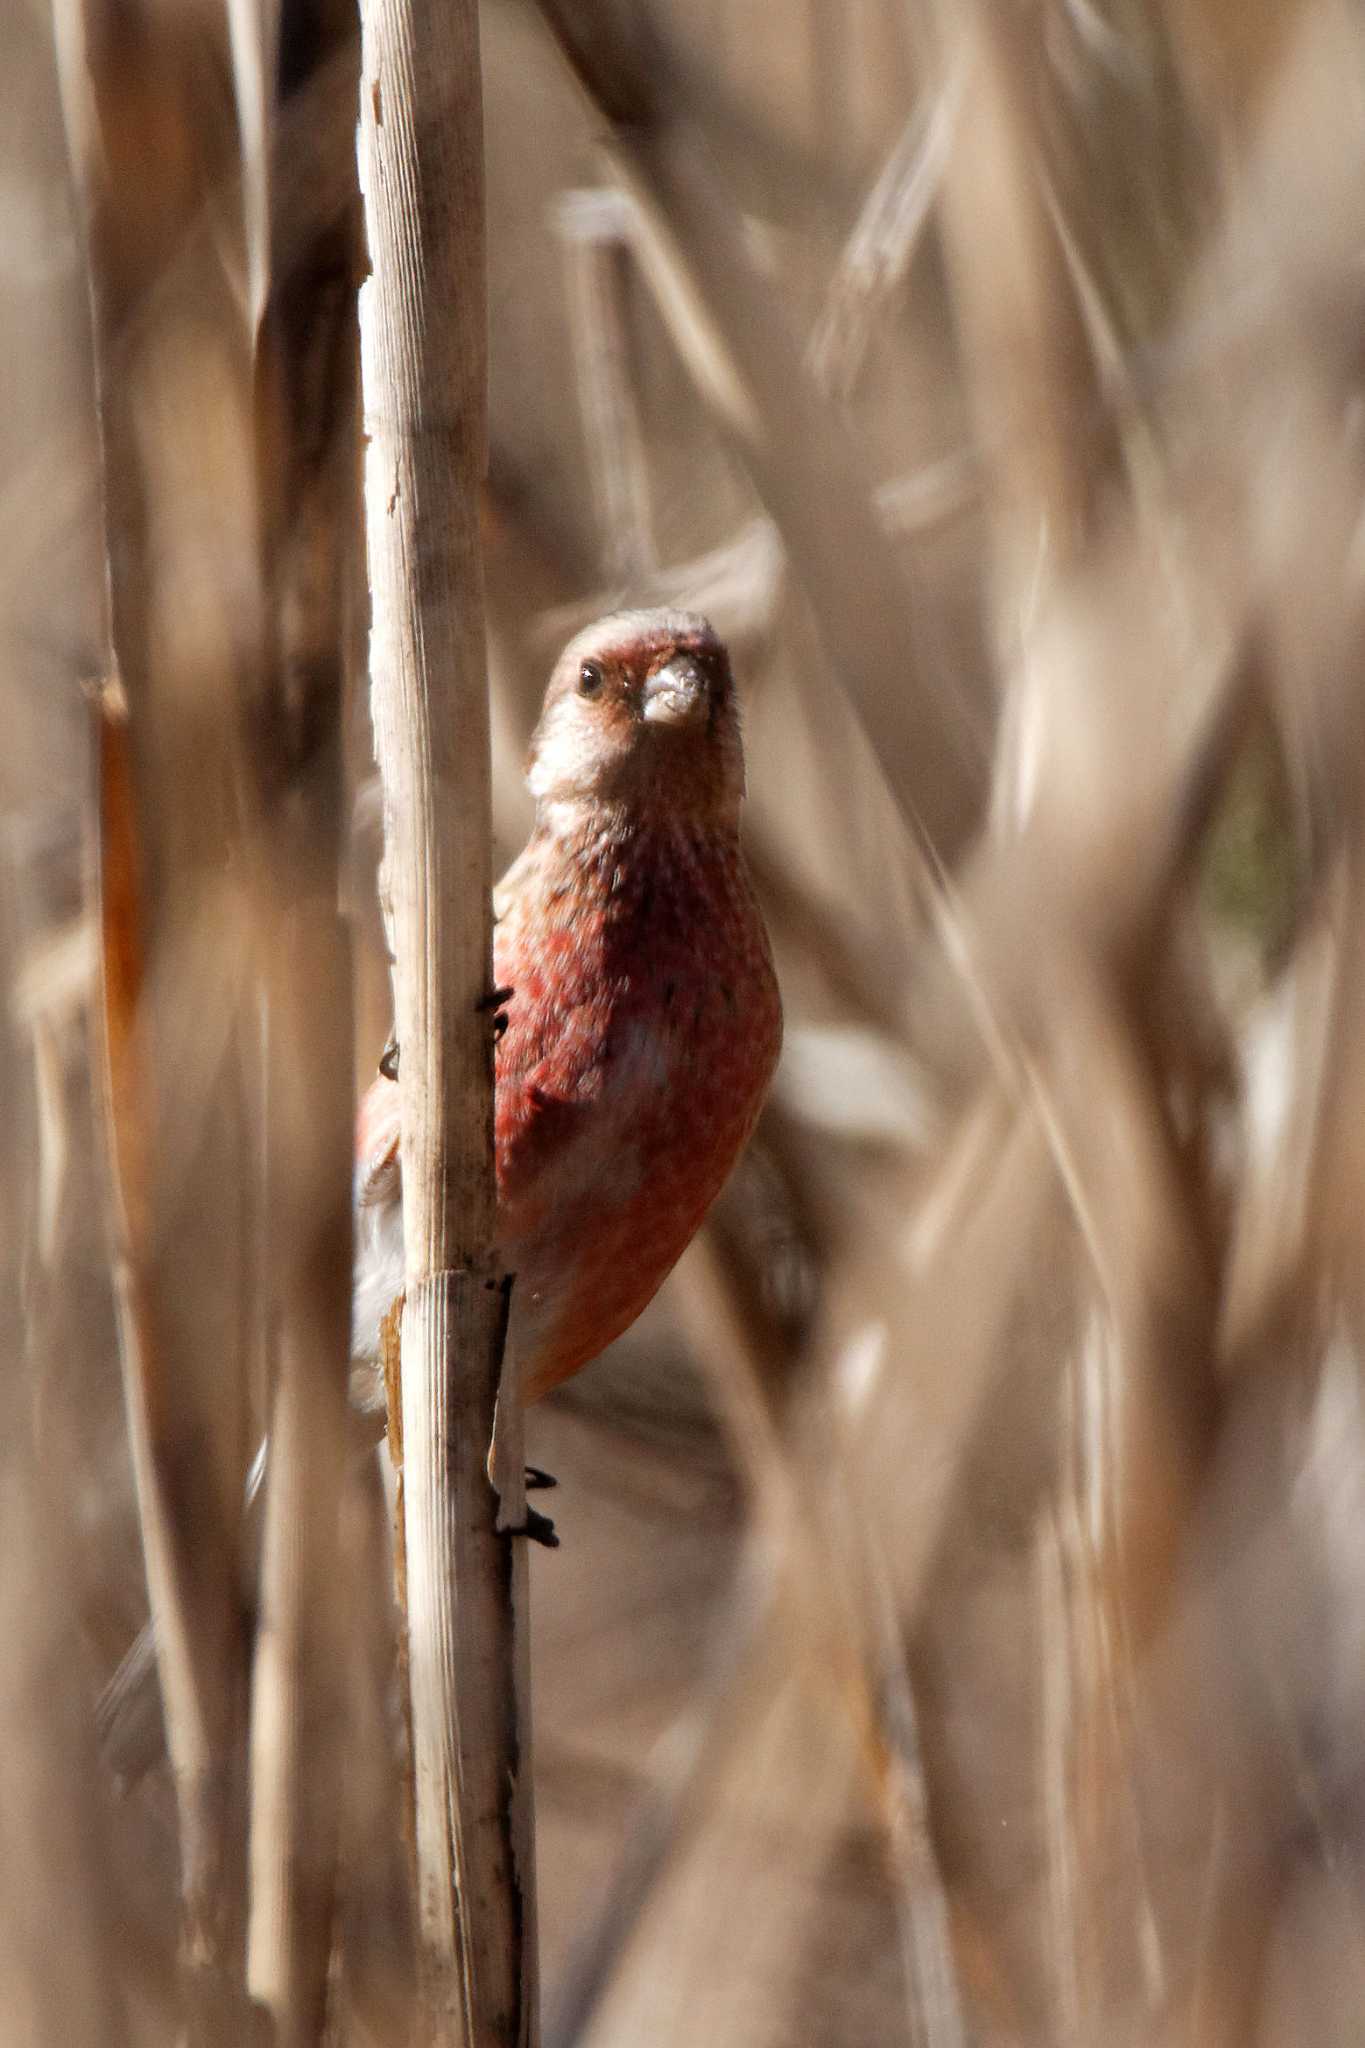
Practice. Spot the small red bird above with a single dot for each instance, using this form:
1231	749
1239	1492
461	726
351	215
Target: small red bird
643	1024
643	1021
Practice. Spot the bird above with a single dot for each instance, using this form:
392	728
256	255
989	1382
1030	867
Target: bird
643	1027
639	1018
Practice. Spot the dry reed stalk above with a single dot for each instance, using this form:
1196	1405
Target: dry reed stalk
466	1577
1042	419
1129	793
595	237
60	1977
308	450
1188	501
835	1590
739	584
1291	1309
377	1978
1106	981
690	1765
1086	1033
772	1823
148	115
814	1637
1232	57
722	375
882	243
874	623
1089	775
809	1692
1302	514
1085	910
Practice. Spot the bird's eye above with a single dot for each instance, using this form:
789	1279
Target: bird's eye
591	677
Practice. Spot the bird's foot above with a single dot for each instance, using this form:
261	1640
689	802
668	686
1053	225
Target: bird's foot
537	1528
537	1481
494	1001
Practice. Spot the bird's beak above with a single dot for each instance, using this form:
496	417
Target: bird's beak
675	694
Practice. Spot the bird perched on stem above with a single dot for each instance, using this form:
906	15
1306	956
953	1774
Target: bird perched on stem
642	1018
643	1026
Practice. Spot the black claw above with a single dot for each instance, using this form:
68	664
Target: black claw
494	999
388	1060
537	1481
539	1528
499	1023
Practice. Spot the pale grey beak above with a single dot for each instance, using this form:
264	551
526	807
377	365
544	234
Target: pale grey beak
675	694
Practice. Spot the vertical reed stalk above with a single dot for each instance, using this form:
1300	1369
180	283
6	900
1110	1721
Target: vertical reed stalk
155	148
425	376
308	449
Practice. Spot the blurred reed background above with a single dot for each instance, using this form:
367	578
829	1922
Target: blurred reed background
959	1630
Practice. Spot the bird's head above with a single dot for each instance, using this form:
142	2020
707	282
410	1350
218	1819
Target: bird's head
640	714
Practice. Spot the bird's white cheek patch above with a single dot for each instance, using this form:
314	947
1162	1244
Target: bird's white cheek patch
568	755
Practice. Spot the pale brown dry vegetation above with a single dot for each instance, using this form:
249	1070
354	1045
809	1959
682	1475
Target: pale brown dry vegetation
957	1634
